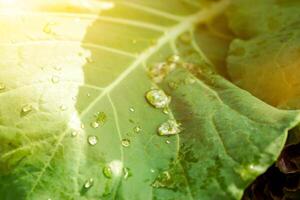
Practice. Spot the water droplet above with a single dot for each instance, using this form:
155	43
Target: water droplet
89	183
82	126
2	86
63	108
126	142
152	170
137	129
74	133
95	125
170	127
174	59
107	172
131	109
168	142
173	85
55	79
158	98
26	109
88	94
92	140
127	173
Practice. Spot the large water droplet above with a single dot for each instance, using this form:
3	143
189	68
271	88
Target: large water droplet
89	183
107	172
92	140
125	142
158	98
170	127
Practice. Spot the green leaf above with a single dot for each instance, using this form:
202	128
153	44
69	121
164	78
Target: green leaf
74	121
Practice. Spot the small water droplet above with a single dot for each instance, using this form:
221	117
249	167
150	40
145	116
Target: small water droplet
127	173
158	98
95	125
126	142
74	133
2	86
82	126
88	94
170	127
168	142
89	183
137	129
26	109
152	170
92	140
166	111
173	85
131	109
159	71
55	79
107	172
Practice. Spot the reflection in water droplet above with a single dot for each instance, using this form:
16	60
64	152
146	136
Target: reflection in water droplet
55	79
95	124
107	172
126	142
137	129
171	127
92	140
26	109
2	86
89	183
158	98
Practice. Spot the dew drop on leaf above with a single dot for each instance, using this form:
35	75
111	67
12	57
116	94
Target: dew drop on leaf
92	140
131	109
158	98
137	129
170	127
168	142
107	172
74	133
26	109
2	86
95	124
101	117
89	183
159	71
125	142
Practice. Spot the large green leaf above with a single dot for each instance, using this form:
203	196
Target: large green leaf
70	75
